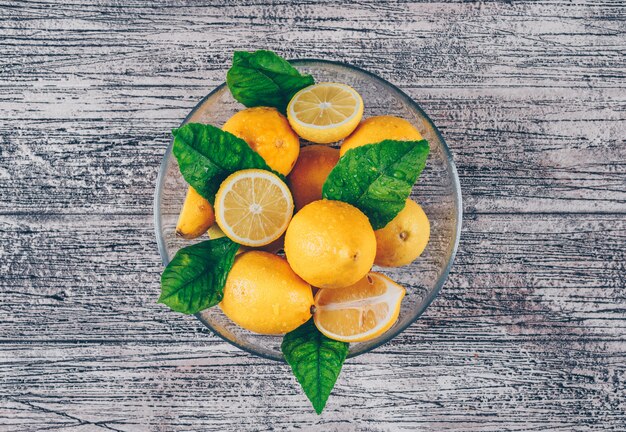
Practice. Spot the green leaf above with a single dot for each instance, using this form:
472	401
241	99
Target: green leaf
207	155
194	280
377	178
262	78
315	360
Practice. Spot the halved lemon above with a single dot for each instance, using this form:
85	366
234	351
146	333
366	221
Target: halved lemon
326	112
253	207
360	312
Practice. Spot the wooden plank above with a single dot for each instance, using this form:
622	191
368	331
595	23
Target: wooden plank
431	386
548	277
575	164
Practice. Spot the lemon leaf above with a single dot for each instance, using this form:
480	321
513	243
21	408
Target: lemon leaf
194	280
262	78
377	178
207	155
315	360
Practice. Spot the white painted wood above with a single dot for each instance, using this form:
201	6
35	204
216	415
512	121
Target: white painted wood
529	332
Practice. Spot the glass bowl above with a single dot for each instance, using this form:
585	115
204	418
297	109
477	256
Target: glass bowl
437	191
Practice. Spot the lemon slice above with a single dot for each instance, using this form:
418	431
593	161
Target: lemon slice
253	207
325	112
360	312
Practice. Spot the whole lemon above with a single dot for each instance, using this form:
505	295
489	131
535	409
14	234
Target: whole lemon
262	294
268	133
376	129
404	238
330	244
308	176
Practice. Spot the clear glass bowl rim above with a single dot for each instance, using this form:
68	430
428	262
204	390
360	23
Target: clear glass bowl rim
395	331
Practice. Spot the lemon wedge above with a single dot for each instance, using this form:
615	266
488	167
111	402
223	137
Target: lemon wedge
196	216
360	312
253	207
326	112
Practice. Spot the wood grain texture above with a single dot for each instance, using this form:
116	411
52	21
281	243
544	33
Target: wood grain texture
529	332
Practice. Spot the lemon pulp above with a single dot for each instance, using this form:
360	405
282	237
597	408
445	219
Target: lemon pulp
253	207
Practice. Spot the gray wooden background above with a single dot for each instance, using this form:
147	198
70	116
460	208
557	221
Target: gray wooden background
529	332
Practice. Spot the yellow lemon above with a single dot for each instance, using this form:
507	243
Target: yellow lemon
268	133
330	244
195	217
376	129
262	294
325	112
253	207
308	176
404	238
359	312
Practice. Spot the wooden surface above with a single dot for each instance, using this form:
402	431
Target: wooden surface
529	332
